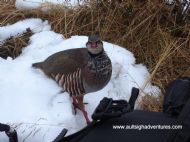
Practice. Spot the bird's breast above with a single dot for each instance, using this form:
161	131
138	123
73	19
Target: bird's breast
97	74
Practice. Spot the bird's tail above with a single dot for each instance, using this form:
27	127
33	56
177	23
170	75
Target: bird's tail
37	65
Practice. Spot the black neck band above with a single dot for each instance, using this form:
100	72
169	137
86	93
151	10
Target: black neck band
95	55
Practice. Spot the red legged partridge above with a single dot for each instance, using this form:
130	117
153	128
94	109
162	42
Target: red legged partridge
79	71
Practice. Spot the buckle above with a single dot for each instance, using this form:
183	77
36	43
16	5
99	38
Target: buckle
109	108
61	135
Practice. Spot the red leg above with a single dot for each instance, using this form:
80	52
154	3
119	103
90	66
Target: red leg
75	104
78	103
85	114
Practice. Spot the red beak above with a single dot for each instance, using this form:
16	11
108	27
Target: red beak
93	45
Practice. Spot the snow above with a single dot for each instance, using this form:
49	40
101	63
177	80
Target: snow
32	4
18	28
32	103
184	3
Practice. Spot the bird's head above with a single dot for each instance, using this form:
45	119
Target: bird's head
94	45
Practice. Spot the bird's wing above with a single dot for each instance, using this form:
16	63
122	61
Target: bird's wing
67	61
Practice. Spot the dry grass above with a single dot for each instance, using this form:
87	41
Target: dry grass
12	47
157	34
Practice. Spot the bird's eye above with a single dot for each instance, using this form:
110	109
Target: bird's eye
98	42
88	43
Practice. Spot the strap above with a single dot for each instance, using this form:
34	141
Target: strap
76	136
61	135
133	98
109	108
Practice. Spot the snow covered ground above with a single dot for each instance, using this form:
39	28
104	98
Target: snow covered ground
30	101
30	4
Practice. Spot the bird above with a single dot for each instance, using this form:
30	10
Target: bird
79	71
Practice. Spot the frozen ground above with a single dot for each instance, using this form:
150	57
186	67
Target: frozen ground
30	101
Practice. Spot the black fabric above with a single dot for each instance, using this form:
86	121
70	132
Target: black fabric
184	134
4	127
177	104
177	94
103	131
109	108
12	134
76	137
61	135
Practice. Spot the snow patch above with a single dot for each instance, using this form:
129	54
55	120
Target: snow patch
36	25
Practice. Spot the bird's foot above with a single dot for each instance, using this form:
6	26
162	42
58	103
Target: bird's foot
85	114
77	106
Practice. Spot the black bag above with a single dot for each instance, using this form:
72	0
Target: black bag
177	94
177	104
10	132
112	120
